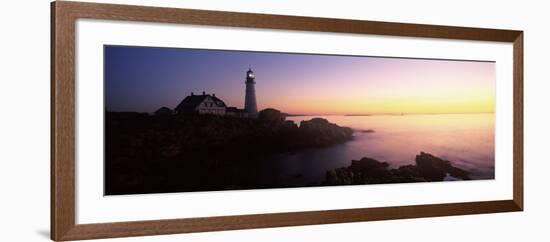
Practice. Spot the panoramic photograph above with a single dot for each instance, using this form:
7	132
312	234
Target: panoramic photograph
196	120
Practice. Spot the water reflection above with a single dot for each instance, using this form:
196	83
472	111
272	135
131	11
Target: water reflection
467	140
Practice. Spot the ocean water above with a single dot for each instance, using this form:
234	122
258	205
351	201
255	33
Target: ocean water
467	140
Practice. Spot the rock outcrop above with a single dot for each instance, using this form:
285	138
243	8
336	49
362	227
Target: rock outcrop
164	111
271	114
319	132
435	169
148	153
370	171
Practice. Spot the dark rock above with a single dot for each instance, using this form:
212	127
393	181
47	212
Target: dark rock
164	111
371	171
289	124
341	176
459	173
363	171
370	168
323	133
408	172
159	148
435	169
271	114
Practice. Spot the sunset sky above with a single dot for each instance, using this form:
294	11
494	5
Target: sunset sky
144	79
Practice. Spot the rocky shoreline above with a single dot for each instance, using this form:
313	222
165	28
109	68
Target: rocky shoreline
161	154
145	153
427	168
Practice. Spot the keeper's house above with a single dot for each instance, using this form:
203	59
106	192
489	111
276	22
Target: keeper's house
201	104
208	104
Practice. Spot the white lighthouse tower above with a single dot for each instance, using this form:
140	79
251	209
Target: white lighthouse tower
250	98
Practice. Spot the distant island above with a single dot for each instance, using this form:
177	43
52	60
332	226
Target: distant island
295	115
357	114
374	114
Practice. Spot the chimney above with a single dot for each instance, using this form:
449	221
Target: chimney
213	94
203	93
192	94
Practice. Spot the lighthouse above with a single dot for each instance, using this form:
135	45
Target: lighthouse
250	96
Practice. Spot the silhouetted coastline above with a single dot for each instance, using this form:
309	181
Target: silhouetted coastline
427	168
171	153
174	153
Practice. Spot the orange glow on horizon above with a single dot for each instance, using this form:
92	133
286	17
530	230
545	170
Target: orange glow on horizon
471	99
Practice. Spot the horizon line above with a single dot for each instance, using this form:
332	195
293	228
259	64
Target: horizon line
297	114
392	113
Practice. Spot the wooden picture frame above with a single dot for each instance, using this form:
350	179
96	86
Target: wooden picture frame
63	18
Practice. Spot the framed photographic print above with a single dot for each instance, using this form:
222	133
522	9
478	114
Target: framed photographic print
172	120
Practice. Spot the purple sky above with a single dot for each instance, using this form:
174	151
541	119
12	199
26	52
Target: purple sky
143	79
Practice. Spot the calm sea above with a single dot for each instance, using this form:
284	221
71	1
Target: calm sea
467	140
